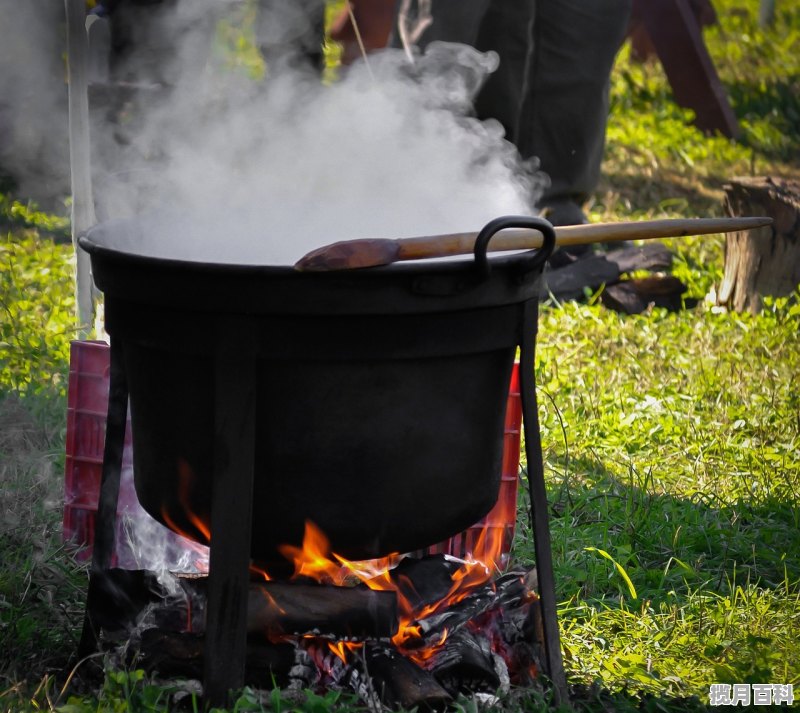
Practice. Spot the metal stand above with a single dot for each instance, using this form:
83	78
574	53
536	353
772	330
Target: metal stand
538	495
231	509
231	516
106	519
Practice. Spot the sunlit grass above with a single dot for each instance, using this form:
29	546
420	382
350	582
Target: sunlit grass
671	440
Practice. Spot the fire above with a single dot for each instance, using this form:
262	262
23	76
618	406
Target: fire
343	648
201	525
314	560
311	560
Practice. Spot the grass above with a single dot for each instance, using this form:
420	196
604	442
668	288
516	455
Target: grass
671	439
682	465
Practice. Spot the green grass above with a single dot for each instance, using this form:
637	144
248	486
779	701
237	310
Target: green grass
671	444
671	439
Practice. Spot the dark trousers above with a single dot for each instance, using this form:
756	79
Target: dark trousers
291	31
551	89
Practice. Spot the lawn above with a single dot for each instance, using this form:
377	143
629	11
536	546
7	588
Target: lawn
671	440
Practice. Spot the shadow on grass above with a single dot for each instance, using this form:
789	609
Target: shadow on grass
776	99
687	591
676	189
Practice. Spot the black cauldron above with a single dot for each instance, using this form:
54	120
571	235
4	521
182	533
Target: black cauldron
379	394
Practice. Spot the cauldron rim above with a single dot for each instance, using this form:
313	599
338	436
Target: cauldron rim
93	246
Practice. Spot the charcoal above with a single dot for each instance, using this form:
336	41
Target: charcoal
400	682
465	662
424	581
456	615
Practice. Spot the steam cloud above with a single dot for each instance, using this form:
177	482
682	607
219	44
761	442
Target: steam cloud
264	171
33	98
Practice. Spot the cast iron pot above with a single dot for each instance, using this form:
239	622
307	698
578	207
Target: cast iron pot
380	393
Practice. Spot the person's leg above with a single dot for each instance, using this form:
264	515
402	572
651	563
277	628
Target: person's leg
564	117
506	29
501	26
291	30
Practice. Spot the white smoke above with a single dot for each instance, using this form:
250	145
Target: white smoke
34	147
264	171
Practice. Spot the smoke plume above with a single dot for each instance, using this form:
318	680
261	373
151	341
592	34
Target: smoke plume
34	147
261	171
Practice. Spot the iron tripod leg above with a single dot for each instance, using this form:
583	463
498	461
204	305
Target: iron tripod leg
538	495
231	508
106	518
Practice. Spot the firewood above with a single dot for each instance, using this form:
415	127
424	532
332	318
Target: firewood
400	682
454	616
507	591
466	661
172	653
336	612
122	597
570	281
594	271
423	581
653	256
635	296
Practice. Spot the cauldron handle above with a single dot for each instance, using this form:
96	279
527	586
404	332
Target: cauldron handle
529	261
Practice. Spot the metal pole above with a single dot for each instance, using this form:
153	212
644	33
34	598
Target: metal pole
538	495
83	216
231	508
106	517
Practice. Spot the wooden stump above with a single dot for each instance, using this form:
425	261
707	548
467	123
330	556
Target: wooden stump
765	261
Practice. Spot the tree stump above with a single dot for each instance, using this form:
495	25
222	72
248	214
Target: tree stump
765	261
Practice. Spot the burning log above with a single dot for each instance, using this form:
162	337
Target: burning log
337	612
466	661
400	682
173	653
426	580
122	598
508	591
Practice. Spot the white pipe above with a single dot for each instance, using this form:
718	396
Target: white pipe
83	216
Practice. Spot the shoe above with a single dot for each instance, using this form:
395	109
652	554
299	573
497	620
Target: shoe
564	212
560	213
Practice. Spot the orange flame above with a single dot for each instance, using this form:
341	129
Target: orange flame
202	535
343	648
315	561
